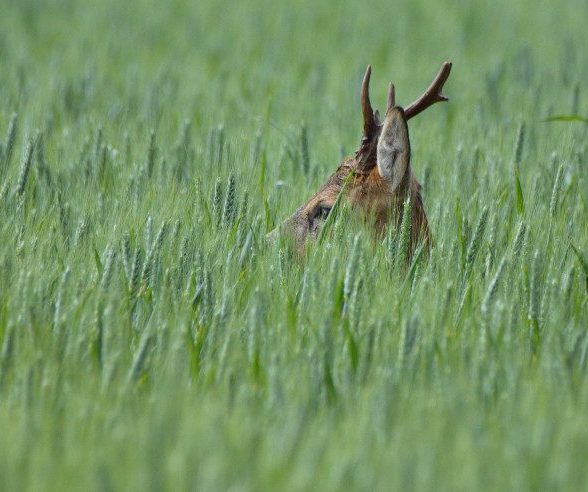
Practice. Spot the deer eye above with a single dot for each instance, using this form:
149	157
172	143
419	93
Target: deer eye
322	212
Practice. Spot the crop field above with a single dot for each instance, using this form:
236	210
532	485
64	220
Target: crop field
152	339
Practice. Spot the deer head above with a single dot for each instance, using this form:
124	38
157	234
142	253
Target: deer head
378	180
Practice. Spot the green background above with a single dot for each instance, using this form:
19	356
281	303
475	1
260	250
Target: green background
151	339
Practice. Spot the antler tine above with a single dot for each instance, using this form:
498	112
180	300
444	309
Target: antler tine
432	95
391	97
369	122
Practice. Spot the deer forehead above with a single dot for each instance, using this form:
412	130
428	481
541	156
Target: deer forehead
371	191
364	190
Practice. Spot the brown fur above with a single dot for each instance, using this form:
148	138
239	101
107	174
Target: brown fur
378	190
369	193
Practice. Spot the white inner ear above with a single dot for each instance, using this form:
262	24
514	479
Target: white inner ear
393	152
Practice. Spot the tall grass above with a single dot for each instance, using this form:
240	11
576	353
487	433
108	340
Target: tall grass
151	338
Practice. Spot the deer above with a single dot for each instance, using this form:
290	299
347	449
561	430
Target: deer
378	180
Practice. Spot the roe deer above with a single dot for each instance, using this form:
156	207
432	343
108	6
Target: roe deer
378	179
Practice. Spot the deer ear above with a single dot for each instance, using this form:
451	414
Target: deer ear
393	154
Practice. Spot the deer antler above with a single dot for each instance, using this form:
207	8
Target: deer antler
369	121
432	95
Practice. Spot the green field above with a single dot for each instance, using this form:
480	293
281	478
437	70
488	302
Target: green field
150	338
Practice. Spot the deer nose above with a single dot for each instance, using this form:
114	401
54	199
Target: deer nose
272	236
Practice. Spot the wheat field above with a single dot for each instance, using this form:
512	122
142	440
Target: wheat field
151	339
